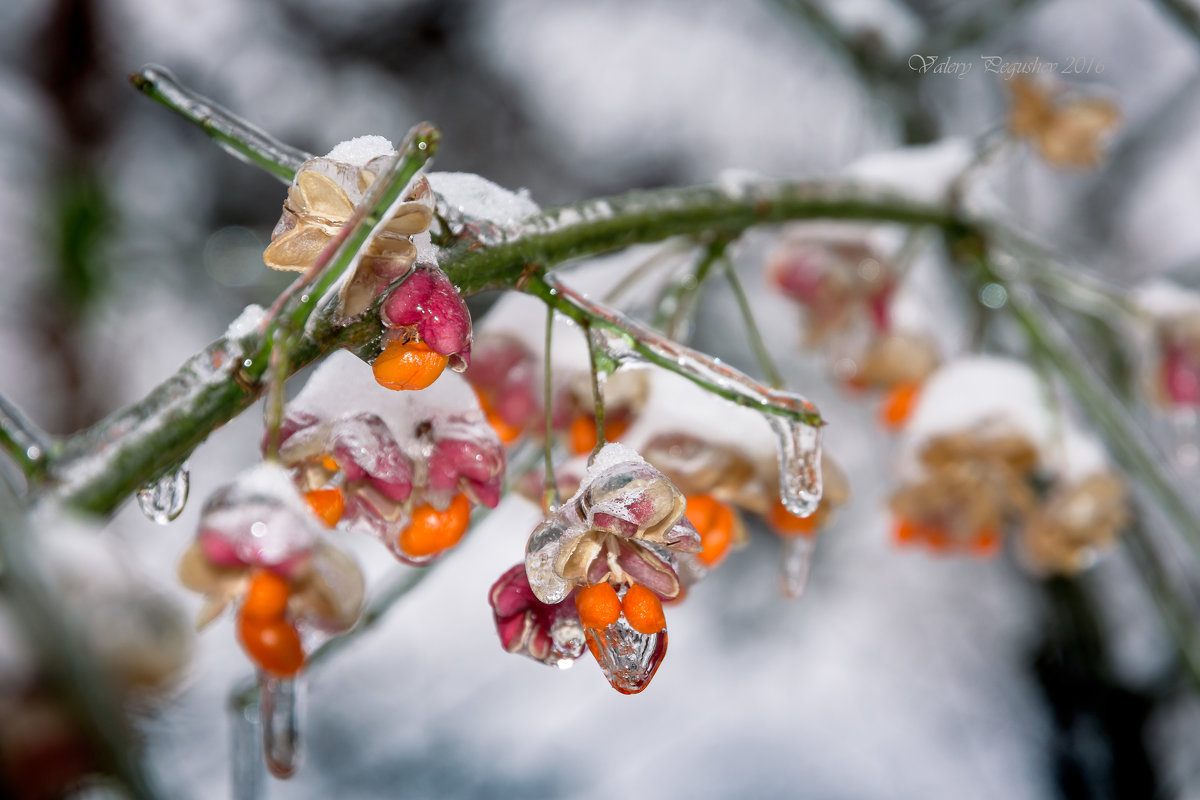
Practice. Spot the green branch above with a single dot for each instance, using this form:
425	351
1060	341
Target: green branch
99	467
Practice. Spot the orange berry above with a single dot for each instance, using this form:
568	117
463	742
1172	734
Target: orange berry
274	645
328	463
986	543
583	434
432	531
898	405
905	531
408	365
598	605
328	504
615	427
936	539
643	610
266	597
785	523
507	432
714	521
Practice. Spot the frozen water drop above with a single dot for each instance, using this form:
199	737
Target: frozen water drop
279	705
566	641
163	500
797	561
246	753
627	657
799	465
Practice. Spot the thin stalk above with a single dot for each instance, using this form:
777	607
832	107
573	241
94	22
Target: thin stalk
640	342
686	294
26	444
1179	620
550	497
765	362
664	255
597	393
236	136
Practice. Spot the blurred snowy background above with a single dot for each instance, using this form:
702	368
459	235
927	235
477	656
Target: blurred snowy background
130	242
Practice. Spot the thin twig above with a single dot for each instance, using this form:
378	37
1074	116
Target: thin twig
597	391
245	141
550	497
631	339
685	294
25	443
765	362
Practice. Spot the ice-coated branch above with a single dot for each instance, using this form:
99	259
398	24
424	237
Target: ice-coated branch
97	468
625	339
232	133
26	444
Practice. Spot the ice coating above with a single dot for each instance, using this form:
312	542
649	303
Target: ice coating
623	525
627	657
547	633
279	705
258	520
799	465
474	196
163	500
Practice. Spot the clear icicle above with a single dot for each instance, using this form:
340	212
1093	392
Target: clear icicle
163	500
797	560
279	705
799	465
627	658
246	753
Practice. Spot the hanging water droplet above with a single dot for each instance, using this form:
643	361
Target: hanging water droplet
797	560
279	703
627	658
566	641
163	500
246	753
799	465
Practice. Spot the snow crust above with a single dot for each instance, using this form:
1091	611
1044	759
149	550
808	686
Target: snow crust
361	149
